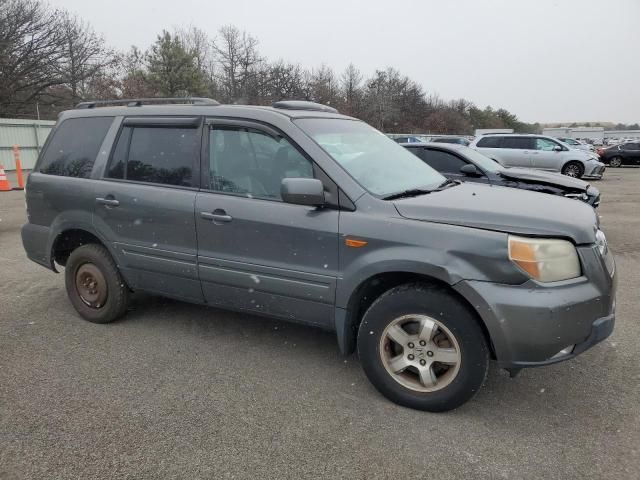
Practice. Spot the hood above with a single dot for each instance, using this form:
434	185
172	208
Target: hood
504	209
549	178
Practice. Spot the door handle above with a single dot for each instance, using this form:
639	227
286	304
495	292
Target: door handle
218	216
109	202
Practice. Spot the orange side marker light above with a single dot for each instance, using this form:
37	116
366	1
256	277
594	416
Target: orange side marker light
352	242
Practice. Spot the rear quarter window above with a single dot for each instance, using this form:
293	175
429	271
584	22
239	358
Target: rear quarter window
489	142
74	147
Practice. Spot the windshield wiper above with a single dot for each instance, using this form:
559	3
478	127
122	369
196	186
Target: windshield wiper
446	184
413	192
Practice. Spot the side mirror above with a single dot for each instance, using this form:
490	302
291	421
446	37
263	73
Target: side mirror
557	148
470	170
302	191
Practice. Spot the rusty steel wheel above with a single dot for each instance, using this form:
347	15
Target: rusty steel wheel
94	284
91	285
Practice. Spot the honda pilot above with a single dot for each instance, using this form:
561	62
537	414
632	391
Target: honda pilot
297	212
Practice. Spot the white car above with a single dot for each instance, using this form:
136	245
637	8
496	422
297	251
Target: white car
576	144
540	152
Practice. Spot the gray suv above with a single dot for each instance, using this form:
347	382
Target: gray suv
540	152
297	212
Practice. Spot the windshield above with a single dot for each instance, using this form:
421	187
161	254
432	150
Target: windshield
375	161
484	162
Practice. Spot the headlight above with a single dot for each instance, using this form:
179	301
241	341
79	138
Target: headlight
601	242
603	248
545	259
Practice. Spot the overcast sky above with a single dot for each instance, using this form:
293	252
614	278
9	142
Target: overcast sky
544	60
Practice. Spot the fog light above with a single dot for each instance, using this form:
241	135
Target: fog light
564	352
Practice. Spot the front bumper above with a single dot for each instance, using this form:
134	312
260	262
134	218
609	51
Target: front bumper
535	324
596	171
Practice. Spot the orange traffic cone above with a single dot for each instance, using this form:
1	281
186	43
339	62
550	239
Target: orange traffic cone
16	157
4	183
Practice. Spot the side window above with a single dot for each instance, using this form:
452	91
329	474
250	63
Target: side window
250	162
520	143
74	147
631	146
545	144
489	142
156	155
441	161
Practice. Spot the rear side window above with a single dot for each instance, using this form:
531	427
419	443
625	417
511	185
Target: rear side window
442	161
74	147
520	143
489	142
160	155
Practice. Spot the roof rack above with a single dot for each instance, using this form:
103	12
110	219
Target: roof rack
138	102
303	105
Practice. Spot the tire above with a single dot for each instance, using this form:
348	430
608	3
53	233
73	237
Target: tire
615	162
573	169
93	263
448	385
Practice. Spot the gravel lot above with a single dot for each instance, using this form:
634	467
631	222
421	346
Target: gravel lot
182	391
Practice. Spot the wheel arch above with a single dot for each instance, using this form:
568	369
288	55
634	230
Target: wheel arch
574	160
66	240
348	319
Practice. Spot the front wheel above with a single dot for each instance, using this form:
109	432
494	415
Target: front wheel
422	348
616	162
573	169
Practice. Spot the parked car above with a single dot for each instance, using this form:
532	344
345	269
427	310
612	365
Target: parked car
458	162
300	213
576	144
457	140
623	154
407	140
540	152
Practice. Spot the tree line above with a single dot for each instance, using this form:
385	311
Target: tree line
50	60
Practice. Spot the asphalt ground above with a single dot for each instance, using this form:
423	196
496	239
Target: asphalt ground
181	391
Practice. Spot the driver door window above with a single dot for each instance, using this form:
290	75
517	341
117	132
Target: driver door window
545	145
252	163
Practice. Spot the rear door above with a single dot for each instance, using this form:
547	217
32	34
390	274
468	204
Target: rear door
516	151
256	252
144	204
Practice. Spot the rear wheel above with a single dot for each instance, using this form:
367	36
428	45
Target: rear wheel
422	348
616	162
573	169
94	285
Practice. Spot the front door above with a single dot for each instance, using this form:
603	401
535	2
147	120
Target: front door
632	153
144	205
545	157
256	252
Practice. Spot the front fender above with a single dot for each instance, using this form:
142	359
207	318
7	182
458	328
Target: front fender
448	253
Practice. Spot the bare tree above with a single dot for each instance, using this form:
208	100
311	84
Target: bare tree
85	56
351	84
324	86
30	49
236	54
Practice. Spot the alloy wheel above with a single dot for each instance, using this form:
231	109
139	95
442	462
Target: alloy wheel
420	353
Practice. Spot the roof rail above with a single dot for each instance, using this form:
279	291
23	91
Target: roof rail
303	105
138	102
